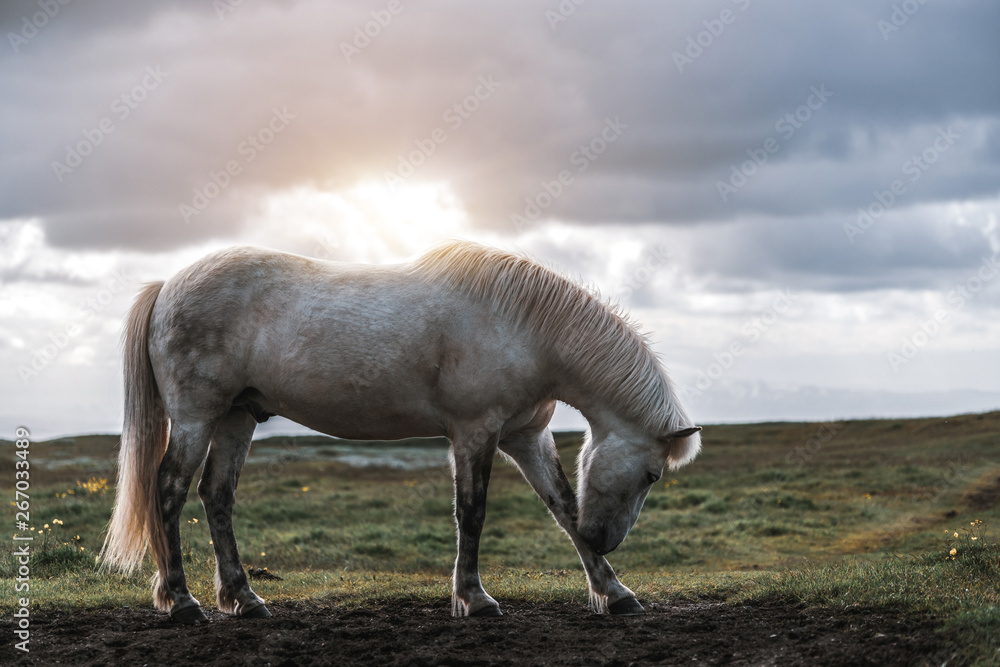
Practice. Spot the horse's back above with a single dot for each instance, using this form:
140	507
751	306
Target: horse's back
348	349
221	294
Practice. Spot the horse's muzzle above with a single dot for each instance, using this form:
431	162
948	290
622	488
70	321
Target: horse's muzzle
607	550
600	540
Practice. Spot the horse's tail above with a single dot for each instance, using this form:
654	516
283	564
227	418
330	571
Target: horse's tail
136	523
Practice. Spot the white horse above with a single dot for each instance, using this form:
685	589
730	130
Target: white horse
467	342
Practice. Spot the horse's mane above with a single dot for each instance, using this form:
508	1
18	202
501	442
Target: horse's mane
590	336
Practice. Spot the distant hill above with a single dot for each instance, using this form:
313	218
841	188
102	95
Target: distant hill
773	443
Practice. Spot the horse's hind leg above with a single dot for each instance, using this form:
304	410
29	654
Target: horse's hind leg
184	454
536	456
217	490
473	460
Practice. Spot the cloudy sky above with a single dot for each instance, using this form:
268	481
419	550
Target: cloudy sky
799	201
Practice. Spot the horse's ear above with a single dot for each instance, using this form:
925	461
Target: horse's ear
678	435
679	447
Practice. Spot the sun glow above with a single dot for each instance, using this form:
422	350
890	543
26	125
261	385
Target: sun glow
369	222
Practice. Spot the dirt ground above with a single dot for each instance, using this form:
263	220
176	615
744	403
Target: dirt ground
769	633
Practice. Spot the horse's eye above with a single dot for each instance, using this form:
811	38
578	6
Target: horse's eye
652	478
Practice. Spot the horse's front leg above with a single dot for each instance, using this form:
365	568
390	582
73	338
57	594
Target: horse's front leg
536	456
473	460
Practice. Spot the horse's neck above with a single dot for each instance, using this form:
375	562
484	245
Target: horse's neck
588	394
594	390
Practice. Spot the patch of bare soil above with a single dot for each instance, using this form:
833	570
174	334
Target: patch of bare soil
773	632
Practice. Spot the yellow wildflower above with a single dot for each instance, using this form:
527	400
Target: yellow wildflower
93	485
953	551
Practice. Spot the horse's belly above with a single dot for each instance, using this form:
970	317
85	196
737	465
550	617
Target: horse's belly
371	425
378	410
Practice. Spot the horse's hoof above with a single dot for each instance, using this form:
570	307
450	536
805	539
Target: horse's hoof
487	612
192	615
626	607
260	611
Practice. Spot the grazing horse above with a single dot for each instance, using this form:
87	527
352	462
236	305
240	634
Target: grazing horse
467	342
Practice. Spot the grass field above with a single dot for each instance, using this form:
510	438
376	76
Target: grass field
856	512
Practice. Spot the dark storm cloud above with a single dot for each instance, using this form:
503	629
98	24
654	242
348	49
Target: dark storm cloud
812	253
558	86
79	18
